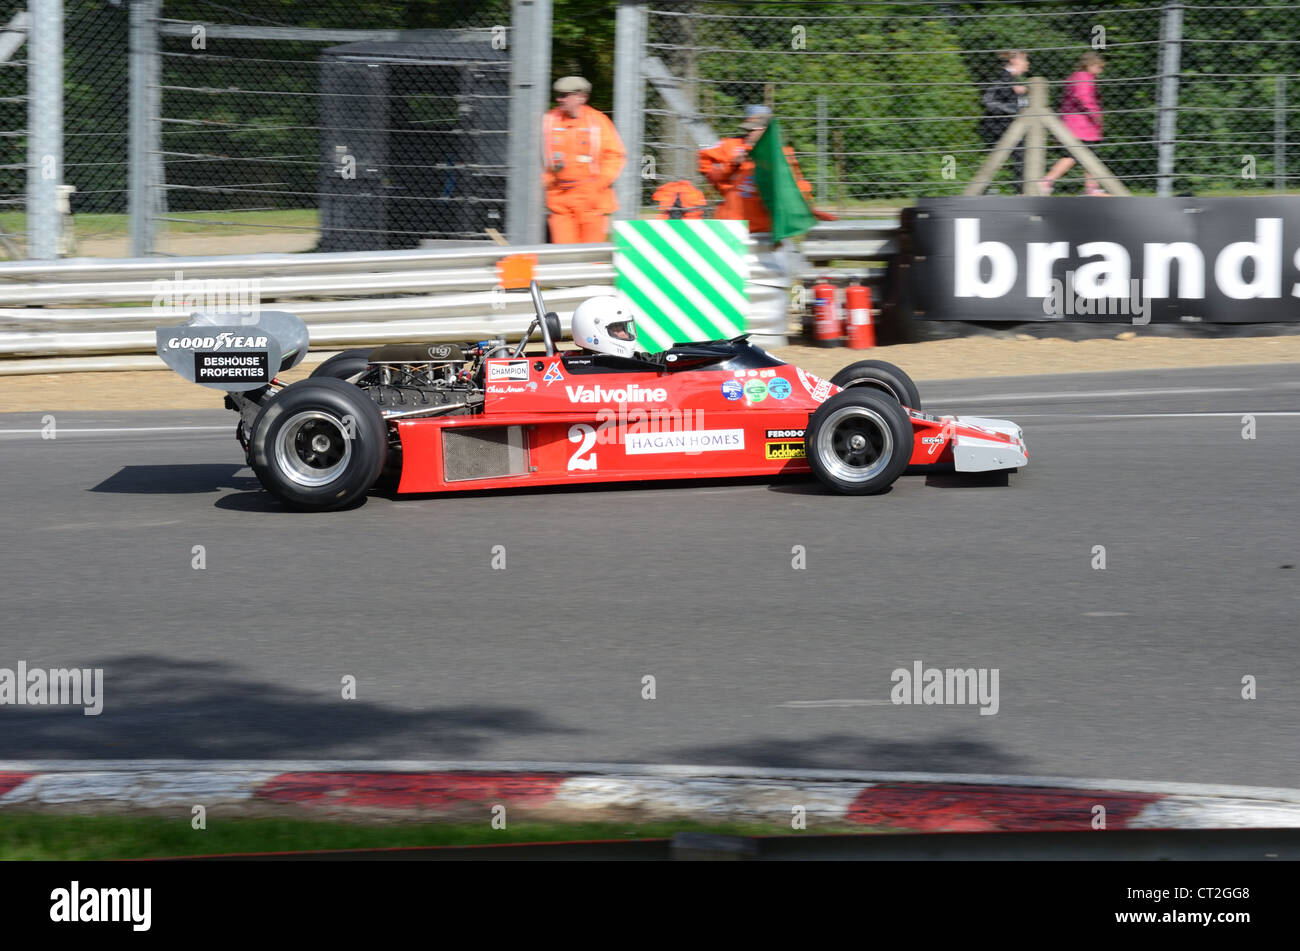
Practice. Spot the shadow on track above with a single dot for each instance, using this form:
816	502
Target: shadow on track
164	709
953	754
178	479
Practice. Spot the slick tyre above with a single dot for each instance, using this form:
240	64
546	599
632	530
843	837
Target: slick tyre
343	366
319	444
882	376
859	441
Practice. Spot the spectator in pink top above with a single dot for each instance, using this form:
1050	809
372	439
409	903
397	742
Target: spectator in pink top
1081	113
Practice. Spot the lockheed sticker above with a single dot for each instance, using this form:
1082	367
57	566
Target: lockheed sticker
786	450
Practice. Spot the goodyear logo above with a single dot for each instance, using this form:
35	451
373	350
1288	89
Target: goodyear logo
785	450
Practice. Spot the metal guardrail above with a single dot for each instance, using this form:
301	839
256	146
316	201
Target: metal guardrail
352	298
858	240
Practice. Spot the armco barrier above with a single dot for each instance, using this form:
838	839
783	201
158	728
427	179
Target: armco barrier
52	311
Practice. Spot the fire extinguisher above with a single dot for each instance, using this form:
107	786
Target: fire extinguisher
828	328
862	333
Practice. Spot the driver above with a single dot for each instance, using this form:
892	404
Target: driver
605	325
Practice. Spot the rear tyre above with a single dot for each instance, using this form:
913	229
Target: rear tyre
882	376
859	441
343	366
319	444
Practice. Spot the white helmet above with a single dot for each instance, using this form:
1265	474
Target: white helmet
605	324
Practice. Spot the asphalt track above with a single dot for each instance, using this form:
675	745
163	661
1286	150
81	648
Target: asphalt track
1132	672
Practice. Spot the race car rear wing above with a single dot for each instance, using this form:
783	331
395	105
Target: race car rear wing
234	352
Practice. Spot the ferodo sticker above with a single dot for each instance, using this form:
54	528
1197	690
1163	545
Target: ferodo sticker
785	434
233	366
786	450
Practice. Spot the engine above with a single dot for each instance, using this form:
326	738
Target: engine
429	379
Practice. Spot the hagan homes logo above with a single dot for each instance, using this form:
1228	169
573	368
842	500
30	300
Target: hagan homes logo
1131	272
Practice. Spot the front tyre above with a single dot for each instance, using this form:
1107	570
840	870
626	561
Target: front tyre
319	444
859	441
881	376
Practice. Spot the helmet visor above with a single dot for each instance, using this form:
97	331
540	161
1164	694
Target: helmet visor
622	330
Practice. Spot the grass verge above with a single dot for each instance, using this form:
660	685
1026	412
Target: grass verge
43	837
204	222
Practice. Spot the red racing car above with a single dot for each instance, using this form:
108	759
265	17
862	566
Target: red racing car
448	417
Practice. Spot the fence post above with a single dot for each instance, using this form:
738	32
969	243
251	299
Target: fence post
1035	155
1171	37
629	103
1279	135
45	128
822	158
530	86
144	164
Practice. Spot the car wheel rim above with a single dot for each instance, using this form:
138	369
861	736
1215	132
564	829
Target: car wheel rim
313	448
855	444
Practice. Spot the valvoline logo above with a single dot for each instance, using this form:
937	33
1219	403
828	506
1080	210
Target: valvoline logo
633	393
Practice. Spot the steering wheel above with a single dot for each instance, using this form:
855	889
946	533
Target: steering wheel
540	307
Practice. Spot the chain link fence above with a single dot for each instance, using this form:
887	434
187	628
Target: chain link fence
341	130
296	125
882	102
94	118
13	129
281	125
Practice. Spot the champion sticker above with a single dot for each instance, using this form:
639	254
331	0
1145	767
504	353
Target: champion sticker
500	370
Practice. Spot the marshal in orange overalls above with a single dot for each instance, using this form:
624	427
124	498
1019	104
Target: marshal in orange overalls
582	158
730	170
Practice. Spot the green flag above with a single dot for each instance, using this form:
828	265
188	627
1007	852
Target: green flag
780	192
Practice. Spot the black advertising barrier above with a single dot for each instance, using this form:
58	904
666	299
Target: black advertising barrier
1118	260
